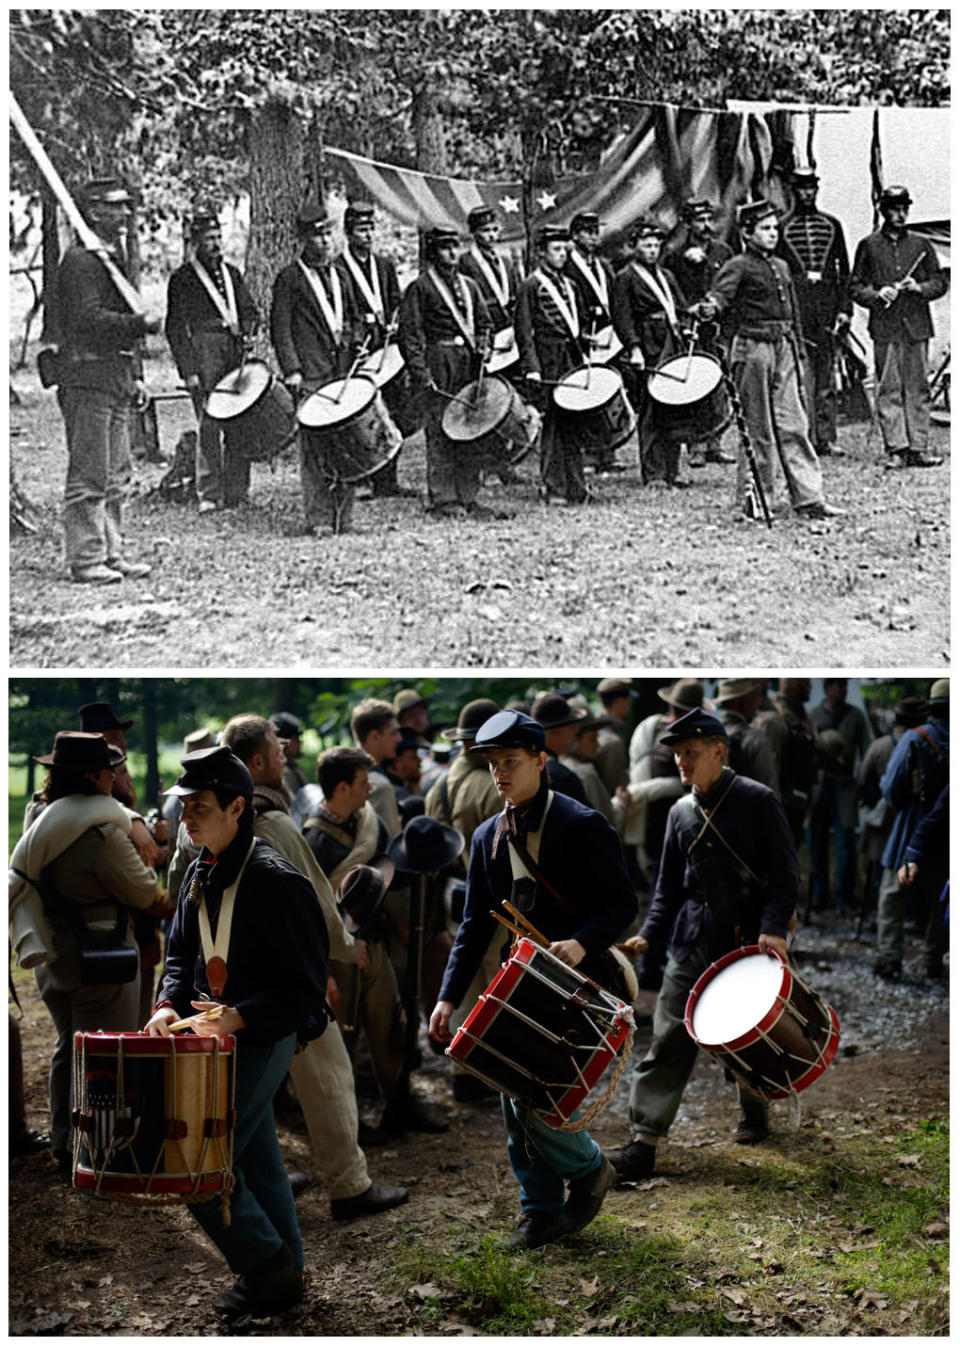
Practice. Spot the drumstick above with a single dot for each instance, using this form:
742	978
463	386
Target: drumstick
531	929
362	352
515	929
206	1016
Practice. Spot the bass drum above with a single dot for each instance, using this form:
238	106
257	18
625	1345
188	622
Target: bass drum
491	416
595	395
350	415
691	403
258	410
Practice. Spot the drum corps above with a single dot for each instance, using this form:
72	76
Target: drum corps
678	340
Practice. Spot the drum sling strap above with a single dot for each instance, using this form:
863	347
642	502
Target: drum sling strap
523	863
693	823
215	951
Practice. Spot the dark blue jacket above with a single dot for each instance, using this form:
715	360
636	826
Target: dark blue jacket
277	961
580	854
751	819
930	844
912	754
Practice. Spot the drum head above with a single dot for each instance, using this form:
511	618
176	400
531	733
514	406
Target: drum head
382	365
587	389
478	410
504	352
737	998
240	390
336	402
605	346
684	379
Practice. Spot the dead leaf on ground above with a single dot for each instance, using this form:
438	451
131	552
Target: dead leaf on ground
908	1160
872	1299
589	1287
735	1296
937	1229
426	1291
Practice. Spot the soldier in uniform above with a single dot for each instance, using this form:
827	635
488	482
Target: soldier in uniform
98	371
311	323
813	246
646	307
496	276
693	259
210	318
755	291
895	275
444	330
593	276
704	905
550	337
371	280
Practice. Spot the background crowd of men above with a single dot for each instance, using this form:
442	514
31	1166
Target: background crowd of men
574	344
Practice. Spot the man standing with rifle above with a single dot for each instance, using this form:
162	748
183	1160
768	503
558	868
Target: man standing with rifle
755	292
895	275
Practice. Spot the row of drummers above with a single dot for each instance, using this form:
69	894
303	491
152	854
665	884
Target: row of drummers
486	362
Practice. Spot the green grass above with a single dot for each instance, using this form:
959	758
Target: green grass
816	1236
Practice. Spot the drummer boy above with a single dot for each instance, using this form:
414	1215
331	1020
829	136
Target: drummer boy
210	318
728	876
312	326
248	939
563	1175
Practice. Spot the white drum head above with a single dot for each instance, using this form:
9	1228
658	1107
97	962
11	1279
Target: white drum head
336	402
587	389
737	999
684	379
238	391
382	365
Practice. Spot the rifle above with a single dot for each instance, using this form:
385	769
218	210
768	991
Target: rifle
746	445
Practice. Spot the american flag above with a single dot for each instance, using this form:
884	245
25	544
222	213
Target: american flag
670	154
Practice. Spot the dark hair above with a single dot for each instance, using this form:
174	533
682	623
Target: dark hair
246	735
340	764
61	781
370	716
225	796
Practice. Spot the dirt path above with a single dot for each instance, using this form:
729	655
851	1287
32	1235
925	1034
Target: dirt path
81	1266
663	578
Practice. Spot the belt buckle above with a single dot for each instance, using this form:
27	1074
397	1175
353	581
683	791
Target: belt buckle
815	276
458	341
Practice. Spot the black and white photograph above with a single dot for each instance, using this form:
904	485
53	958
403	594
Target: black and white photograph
547	1007
479	338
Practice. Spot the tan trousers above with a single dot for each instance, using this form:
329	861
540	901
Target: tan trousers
323	1079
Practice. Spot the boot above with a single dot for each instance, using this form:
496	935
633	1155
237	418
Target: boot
754	1123
270	1288
634	1161
586	1196
536	1228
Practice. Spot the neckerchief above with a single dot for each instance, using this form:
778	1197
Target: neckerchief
597	280
660	290
368	287
332	311
499	283
226	302
567	305
462	317
268	800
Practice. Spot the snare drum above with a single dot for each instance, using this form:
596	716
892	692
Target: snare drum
542	1033
490	415
155	1116
504	351
691	401
383	365
755	1012
605	346
595	395
258	410
350	417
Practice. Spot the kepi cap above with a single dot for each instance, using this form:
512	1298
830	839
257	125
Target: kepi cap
695	724
212	769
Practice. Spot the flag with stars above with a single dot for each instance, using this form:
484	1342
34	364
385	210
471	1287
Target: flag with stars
670	154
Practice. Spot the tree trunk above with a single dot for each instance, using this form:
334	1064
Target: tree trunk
427	122
278	183
150	741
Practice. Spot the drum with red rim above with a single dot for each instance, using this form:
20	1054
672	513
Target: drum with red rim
155	1116
542	1033
769	1027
